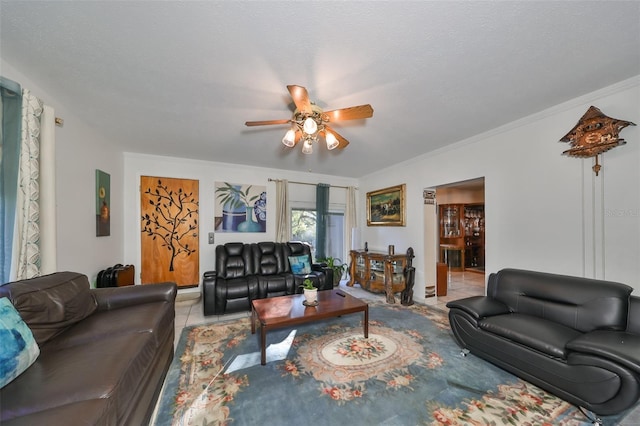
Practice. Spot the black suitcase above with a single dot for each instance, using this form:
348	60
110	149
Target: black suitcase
111	276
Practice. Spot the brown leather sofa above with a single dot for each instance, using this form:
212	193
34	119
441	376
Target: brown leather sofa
104	352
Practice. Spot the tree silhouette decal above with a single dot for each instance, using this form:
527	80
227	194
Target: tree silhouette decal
175	216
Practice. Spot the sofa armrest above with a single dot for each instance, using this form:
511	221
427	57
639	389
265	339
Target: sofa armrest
633	322
321	267
120	297
318	266
209	283
328	274
479	306
619	346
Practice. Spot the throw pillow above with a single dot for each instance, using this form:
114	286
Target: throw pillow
18	348
300	265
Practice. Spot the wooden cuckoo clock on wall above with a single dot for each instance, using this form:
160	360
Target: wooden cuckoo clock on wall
594	134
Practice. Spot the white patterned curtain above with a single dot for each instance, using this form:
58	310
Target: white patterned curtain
26	259
34	242
283	213
350	219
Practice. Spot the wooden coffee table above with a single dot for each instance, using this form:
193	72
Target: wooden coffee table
283	311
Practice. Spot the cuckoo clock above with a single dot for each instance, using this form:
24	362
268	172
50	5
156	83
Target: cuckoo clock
594	134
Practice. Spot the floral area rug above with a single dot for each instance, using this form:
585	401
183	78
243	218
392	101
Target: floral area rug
408	372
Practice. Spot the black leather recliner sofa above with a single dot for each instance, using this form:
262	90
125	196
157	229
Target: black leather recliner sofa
577	338
245	272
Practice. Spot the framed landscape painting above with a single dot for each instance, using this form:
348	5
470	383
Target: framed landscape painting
386	207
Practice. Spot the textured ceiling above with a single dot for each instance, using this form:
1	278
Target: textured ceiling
181	78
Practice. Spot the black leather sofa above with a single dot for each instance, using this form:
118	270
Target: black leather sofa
577	338
245	272
104	352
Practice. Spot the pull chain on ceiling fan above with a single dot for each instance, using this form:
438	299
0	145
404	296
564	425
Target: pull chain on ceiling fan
309	121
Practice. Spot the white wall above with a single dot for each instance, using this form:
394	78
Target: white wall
79	152
207	173
544	211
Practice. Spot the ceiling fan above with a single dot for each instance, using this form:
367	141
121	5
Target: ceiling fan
309	121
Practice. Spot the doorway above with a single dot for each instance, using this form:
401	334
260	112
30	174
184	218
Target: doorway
460	237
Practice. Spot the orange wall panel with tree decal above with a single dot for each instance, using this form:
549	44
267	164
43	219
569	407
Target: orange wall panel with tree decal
169	226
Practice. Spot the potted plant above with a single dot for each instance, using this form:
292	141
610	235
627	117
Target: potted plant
337	266
310	292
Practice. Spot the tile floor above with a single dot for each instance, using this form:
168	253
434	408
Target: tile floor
460	284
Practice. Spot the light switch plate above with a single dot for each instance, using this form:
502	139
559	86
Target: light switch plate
211	237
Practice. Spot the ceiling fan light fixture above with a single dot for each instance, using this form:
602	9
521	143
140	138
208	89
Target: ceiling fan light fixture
310	126
332	142
289	139
307	146
309	122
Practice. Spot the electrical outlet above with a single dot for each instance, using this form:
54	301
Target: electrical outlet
211	237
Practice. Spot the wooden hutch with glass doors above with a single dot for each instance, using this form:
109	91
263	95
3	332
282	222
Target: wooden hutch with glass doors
379	272
462	236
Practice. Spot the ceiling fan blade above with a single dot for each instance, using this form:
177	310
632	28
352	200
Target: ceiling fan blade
300	97
266	122
342	142
351	113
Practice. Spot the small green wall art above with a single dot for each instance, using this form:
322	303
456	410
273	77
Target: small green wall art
103	204
240	207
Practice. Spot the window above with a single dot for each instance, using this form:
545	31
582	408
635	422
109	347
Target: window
303	228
